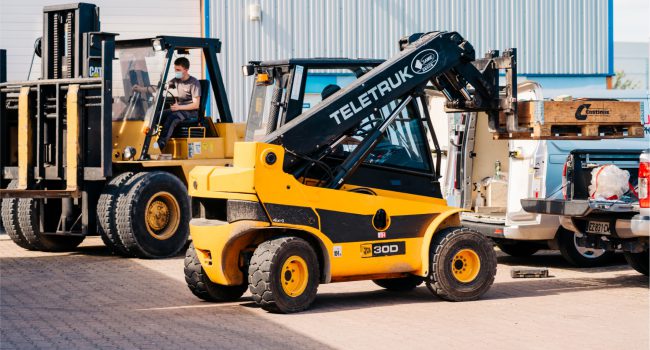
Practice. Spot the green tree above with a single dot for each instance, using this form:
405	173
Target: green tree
621	82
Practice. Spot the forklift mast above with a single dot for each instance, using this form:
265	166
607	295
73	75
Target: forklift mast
73	53
443	59
63	39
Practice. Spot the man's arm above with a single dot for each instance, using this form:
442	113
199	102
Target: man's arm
188	107
195	91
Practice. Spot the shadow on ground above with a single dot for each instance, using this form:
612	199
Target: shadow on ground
91	300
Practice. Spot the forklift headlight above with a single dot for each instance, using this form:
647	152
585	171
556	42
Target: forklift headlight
248	70
157	45
128	153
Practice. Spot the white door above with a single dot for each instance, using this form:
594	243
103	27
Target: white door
527	168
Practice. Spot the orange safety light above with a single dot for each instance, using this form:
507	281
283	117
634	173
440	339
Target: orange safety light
263	78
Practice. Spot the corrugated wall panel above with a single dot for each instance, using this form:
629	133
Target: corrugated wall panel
553	36
21	23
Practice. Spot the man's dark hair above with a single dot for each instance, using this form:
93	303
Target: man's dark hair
183	62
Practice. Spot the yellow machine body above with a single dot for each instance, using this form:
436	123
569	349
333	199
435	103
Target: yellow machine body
186	153
338	223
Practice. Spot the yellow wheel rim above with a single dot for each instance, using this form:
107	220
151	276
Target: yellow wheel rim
294	276
465	265
162	216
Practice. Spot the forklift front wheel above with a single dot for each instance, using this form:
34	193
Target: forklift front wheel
153	213
106	213
463	264
200	285
34	215
284	274
9	212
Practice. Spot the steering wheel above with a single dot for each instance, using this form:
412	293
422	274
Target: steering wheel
382	155
360	129
169	99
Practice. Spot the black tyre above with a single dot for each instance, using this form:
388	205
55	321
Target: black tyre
201	286
153	213
463	264
403	284
518	248
9	213
106	213
638	261
580	256
284	275
35	217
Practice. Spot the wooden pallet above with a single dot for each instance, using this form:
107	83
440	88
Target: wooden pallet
576	132
577	119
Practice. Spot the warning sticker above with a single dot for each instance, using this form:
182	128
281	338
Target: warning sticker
337	251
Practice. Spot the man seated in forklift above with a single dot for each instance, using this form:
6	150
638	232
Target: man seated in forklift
187	101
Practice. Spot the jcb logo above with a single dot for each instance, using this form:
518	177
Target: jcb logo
369	250
366	250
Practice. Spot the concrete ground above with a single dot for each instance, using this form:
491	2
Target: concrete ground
90	299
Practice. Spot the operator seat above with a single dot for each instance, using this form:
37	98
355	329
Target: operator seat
183	128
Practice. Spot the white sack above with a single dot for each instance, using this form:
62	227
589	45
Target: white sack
609	182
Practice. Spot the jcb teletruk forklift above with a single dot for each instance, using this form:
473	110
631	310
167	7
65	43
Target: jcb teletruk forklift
75	151
348	189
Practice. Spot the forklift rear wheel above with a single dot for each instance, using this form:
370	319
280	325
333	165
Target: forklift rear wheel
284	275
201	286
106	213
153	213
463	264
580	256
34	216
9	212
638	261
518	249
402	284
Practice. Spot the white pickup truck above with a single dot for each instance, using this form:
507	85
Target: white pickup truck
621	223
527	168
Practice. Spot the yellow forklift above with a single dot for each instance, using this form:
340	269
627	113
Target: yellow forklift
348	190
76	155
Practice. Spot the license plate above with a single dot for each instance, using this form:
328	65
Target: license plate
597	227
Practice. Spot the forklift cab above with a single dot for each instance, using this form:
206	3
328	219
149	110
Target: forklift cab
143	69
307	79
401	159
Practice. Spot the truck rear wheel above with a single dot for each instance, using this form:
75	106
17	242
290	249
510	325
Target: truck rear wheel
201	285
463	264
402	284
9	212
153	213
518	248
638	261
580	256
35	216
284	275
106	213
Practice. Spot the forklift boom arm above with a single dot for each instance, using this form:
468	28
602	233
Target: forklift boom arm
444	59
